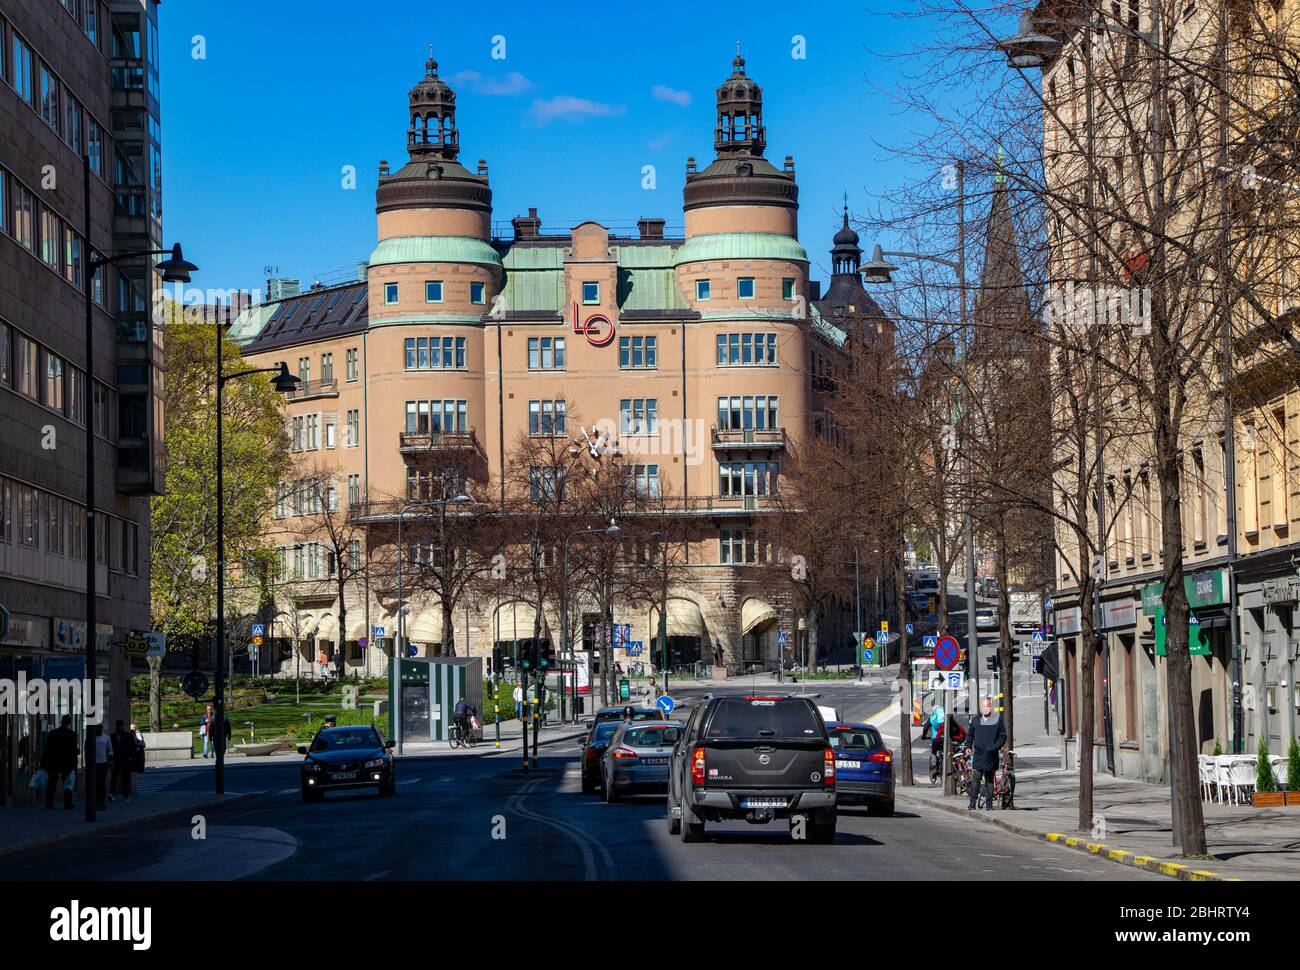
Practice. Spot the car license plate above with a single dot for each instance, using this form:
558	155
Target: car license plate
343	775
764	802
848	764
654	761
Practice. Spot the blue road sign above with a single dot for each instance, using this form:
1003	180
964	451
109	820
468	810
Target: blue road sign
379	633
635	647
1047	602
909	629
930	642
259	630
782	638
946	653
868	655
665	704
882	636
1034	664
1038	636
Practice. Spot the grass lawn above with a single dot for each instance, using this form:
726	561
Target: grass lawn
273	720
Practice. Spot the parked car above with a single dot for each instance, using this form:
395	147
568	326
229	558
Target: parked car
986	588
986	618
593	749
864	767
621	714
636	760
347	757
756	758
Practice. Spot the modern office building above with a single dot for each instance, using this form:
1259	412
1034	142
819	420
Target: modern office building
699	354
80	79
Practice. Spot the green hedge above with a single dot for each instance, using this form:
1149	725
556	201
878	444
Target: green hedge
302	733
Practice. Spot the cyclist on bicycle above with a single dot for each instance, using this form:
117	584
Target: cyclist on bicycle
464	712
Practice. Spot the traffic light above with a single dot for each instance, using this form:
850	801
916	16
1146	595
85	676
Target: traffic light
497	656
545	654
527	659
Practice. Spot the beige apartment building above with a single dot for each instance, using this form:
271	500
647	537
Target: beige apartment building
1245	691
699	355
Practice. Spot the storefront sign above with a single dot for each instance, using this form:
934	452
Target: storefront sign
70	635
1284	589
1209	588
1118	613
27	631
1069	621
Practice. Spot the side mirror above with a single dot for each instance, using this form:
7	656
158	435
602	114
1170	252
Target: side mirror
672	736
302	749
390	743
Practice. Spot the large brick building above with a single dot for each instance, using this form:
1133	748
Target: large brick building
701	355
79	79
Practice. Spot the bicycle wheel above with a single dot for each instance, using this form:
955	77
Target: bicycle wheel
453	739
471	739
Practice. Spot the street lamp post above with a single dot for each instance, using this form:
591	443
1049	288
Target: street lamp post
284	383
175	269
611	529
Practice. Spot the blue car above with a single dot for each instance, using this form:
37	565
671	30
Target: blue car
864	767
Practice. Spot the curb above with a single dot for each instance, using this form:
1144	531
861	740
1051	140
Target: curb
119	826
1164	867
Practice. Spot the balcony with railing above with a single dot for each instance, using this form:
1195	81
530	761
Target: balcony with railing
307	390
419	442
748	439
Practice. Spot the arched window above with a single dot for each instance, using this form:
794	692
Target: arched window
432	129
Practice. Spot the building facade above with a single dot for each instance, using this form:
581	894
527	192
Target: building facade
80	80
697	355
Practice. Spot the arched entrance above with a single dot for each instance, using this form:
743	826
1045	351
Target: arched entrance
757	633
688	637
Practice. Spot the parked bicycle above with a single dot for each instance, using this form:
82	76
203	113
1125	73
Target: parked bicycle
1004	782
962	771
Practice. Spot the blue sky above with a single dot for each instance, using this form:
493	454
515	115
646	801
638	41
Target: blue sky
257	133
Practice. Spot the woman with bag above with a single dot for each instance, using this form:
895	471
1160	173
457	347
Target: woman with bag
205	732
137	755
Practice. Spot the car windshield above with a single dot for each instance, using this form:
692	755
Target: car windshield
343	738
604	731
850	737
760	718
648	737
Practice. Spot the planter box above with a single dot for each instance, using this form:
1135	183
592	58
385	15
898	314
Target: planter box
257	750
1275	799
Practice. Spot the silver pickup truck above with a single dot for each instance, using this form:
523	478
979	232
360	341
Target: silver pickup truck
756	758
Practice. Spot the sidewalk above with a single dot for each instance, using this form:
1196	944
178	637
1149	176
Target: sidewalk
1131	818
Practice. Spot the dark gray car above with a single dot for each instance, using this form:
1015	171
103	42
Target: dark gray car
636	761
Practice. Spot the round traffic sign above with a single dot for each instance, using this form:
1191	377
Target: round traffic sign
665	704
195	683
946	652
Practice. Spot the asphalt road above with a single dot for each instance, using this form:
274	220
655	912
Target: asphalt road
473	817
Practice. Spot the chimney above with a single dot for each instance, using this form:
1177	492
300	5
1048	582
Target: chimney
279	288
482	166
690	165
650	228
529	227
363	272
814	291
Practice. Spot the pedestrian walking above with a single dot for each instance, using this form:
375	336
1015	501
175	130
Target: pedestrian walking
137	755
59	761
338	663
986	737
651	693
324	663
103	761
205	732
123	747
519	701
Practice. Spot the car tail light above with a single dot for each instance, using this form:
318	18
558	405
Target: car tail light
882	756
625	753
828	770
593	754
697	766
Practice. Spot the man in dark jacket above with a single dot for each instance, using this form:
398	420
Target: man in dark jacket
987	736
123	744
59	759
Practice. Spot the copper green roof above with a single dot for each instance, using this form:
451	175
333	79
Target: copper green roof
434	249
250	322
741	245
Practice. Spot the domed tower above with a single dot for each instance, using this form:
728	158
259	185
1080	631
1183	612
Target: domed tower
432	278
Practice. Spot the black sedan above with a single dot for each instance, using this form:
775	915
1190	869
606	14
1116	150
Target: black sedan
347	757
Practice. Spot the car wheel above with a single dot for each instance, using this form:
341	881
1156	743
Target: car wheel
588	786
611	795
312	795
692	831
674	824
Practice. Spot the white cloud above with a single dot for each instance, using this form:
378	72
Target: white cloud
568	108
656	144
663	92
511	84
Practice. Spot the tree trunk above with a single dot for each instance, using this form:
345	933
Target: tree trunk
1178	659
1006	658
448	647
155	693
812	642
905	775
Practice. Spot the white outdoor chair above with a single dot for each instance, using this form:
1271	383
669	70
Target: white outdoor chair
1279	764
1241	776
1205	769
1222	782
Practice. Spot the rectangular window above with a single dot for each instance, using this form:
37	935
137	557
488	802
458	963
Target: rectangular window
354	428
748	413
701	289
27	361
745	287
26	515
327	368
787	288
304	369
75	398
74	121
545	353
23	223
6	369
354	555
746	349
477	293
546	418
638	353
432	291
353	371
354	490
329	434
390	293
103	410
48	89
72	262
95	146
639	416
21	70
642	480
52	240
590	292
6	489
